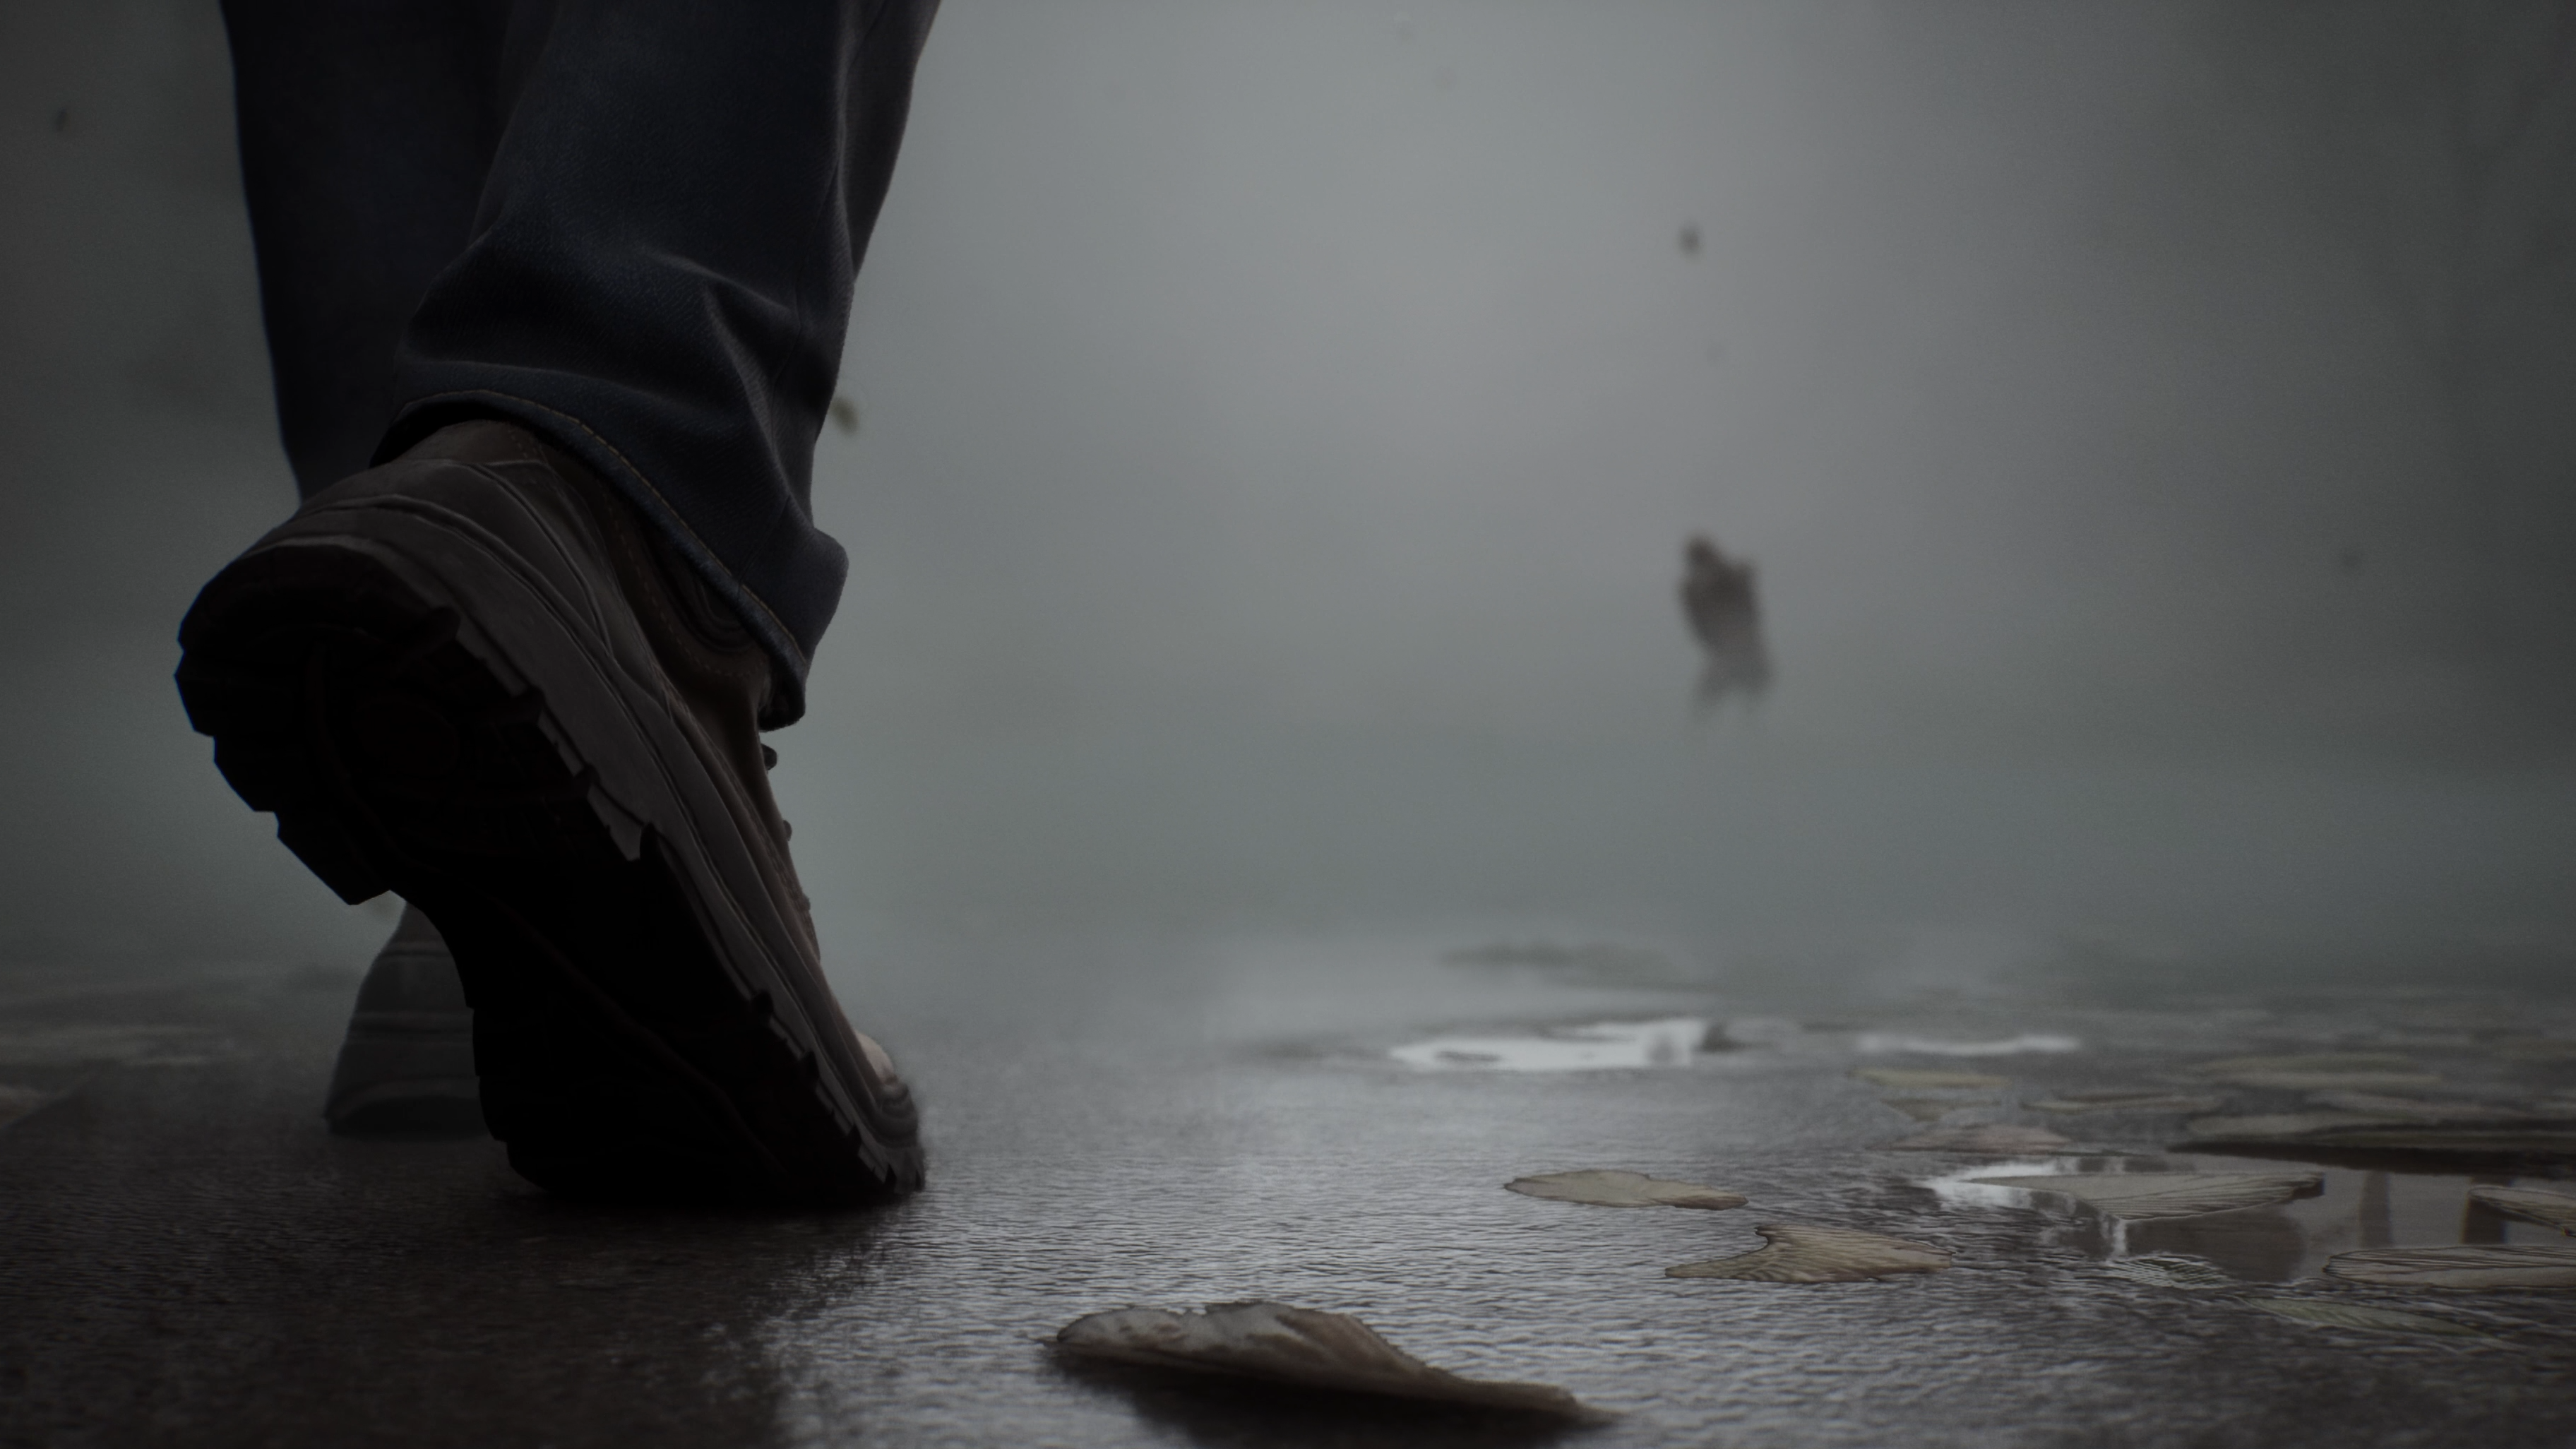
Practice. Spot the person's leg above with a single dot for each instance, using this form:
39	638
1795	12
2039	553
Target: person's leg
367	128
527	698
659	276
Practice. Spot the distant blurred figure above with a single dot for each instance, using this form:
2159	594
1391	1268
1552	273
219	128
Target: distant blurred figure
1718	603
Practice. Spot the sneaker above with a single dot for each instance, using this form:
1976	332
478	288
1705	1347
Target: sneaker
406	1069
470	676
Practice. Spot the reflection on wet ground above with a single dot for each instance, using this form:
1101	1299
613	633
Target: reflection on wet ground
1575	1047
1327	1123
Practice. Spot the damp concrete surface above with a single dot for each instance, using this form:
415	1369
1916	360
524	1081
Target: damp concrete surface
189	1258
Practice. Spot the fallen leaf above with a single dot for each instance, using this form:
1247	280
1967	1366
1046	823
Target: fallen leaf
2362	1316
2068	1102
1990	1139
1820	1255
1303	1346
2145	1196
2549	1209
1915	1079
2466	1265
2170	1270
1611	1187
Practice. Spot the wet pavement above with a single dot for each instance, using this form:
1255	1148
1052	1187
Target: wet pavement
187	1257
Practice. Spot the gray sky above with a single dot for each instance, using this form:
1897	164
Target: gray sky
1281	422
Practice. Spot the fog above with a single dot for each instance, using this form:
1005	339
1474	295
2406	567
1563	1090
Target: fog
1278	425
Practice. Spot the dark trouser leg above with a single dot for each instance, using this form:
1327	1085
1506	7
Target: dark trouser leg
367	127
659	275
630	225
675	324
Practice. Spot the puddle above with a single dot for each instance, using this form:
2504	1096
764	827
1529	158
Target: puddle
2354	1208
1592	1047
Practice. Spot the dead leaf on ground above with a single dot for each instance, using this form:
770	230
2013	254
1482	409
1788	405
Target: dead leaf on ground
1925	1079
2464	1265
2330	1314
2146	1196
1302	1346
2549	1209
1987	1139
2170	1270
1612	1187
1820	1255
2127	1101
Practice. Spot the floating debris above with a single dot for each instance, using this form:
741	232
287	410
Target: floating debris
1820	1255
2549	1209
1612	1187
1913	1079
1597	1046
1991	1139
2127	1101
1301	1346
1872	1043
2363	1071
2330	1314
2465	1265
2146	1196
2170	1270
1720	604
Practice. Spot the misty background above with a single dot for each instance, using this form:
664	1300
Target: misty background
1278	424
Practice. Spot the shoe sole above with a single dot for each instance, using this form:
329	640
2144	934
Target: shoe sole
639	1032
